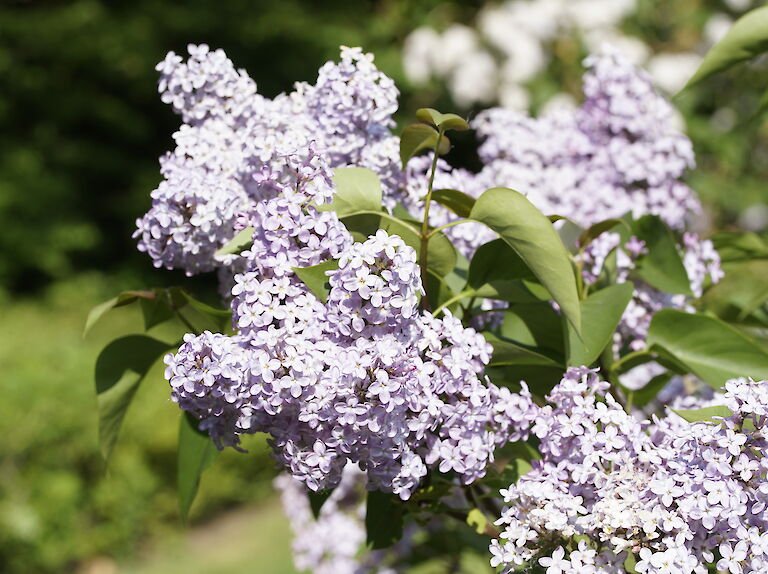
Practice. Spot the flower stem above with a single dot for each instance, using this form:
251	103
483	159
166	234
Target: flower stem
424	235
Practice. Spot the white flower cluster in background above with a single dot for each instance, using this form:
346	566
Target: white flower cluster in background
510	44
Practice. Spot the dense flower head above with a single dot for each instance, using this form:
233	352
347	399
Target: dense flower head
619	150
233	138
363	378
675	495
376	287
352	103
205	86
191	217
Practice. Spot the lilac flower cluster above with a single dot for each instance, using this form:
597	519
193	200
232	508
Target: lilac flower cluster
361	379
237	148
619	150
667	495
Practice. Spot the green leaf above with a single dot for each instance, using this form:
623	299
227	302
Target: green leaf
742	291
120	367
593	232
510	353
156	311
357	189
315	277
383	519
531	235
600	314
534	325
662	267
739	246
124	298
496	270
439	292
704	414
239	243
477	520
649	392
445	121
457	201
418	137
317	499
195	452
709	348
200	315
747	38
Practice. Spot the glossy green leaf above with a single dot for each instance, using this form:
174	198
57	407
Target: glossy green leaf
445	121
593	232
457	201
534	325
124	298
495	271
195	453
419	137
509	353
747	38
239	243
524	228
383	519
600	314
704	414
201	316
316	279
120	368
709	348
357	189
662	267
317	499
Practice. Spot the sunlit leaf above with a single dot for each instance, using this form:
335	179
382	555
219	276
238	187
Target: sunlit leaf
524	228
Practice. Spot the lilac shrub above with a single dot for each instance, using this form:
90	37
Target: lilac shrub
373	349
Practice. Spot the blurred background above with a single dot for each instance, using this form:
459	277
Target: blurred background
81	128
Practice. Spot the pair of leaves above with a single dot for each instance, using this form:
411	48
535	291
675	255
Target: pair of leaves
426	135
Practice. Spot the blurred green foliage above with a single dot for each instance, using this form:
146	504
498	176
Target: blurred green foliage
59	503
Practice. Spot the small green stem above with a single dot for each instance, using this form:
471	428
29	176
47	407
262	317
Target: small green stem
424	236
446	226
451	301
